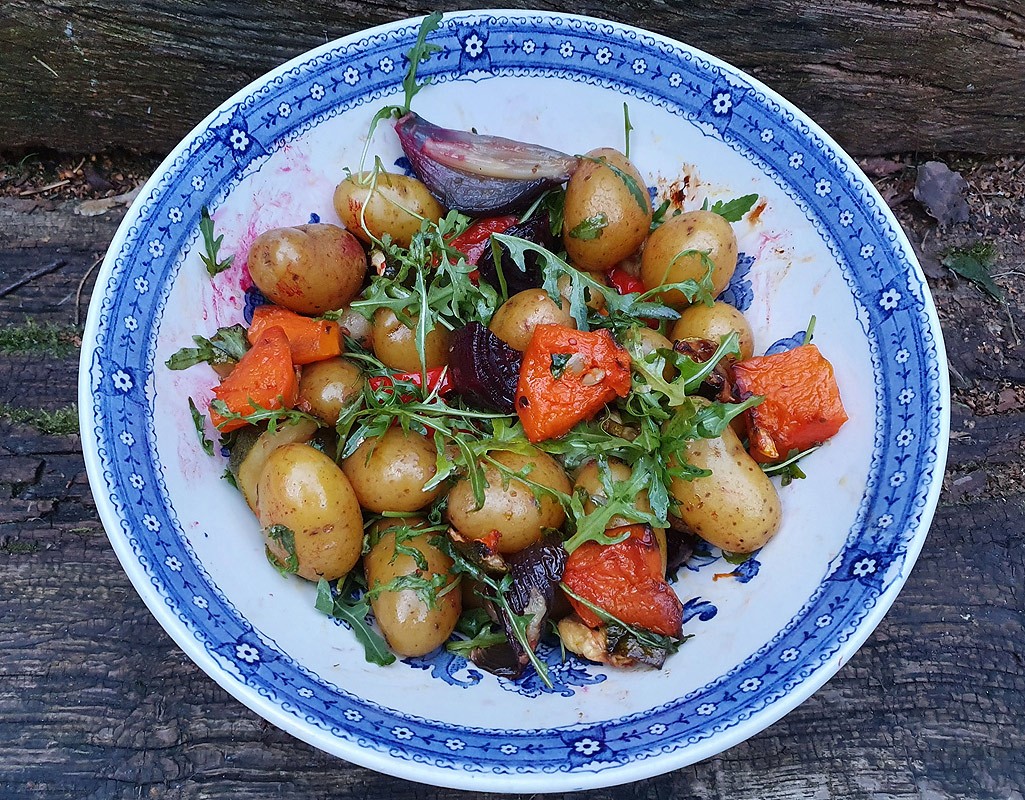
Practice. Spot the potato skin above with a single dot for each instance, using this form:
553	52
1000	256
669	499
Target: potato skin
693	230
516	318
737	507
510	508
395	343
410	626
388	473
326	387
595	191
713	322
247	476
308	269
387	207
651	341
304	490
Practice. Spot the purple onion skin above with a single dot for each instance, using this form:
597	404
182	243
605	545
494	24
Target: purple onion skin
537	229
483	369
535	571
473	195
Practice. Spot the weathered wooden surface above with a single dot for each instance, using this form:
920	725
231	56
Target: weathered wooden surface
880	75
97	702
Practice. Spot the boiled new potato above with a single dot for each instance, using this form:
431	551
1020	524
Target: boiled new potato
735	508
305	492
394	204
713	322
510	505
394	343
326	387
589	480
412	624
516	318
355	326
254	459
308	269
672	254
388	472
607	213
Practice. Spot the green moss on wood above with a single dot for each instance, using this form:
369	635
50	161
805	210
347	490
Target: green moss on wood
62	422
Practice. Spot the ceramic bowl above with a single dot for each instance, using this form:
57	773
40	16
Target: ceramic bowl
767	634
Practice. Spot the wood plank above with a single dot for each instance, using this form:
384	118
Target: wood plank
879	75
97	702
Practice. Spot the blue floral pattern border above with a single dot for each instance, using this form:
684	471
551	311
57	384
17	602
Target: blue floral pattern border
888	289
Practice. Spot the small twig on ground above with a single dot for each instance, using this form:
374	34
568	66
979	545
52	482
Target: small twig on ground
38	60
41	189
52	267
81	288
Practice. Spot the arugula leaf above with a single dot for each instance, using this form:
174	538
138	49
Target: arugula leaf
974	264
590	228
284	537
788	469
732	210
199	420
636	191
428	590
272	416
212	246
345	604
418	53
226	346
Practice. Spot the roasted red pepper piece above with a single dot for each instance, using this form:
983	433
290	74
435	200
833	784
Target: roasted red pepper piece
567	376
310	339
264	375
802	405
437	380
477	238
625	580
623	282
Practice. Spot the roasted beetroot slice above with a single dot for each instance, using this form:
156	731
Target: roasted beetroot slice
537	229
483	369
476	174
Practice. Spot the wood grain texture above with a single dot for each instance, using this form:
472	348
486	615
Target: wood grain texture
879	75
96	702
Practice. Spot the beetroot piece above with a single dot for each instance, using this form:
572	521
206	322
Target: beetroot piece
483	369
476	174
537	229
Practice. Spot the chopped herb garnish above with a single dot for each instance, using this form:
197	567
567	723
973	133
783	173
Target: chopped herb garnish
348	602
559	362
199	420
590	228
211	258
732	210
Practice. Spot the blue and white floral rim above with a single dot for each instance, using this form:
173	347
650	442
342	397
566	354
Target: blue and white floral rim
897	316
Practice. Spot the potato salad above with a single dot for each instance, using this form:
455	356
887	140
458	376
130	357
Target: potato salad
498	400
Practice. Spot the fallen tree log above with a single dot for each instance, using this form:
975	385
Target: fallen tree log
879	75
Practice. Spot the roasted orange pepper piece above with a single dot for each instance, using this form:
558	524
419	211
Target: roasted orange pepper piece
567	376
802	405
264	375
309	339
625	580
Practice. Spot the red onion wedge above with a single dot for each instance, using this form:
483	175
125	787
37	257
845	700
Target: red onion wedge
476	174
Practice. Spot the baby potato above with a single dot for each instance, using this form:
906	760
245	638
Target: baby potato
395	343
388	472
326	387
249	469
411	625
303	490
672	254
589	479
713	322
516	318
510	506
394	205
735	508
605	220
355	326
308	269
651	341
